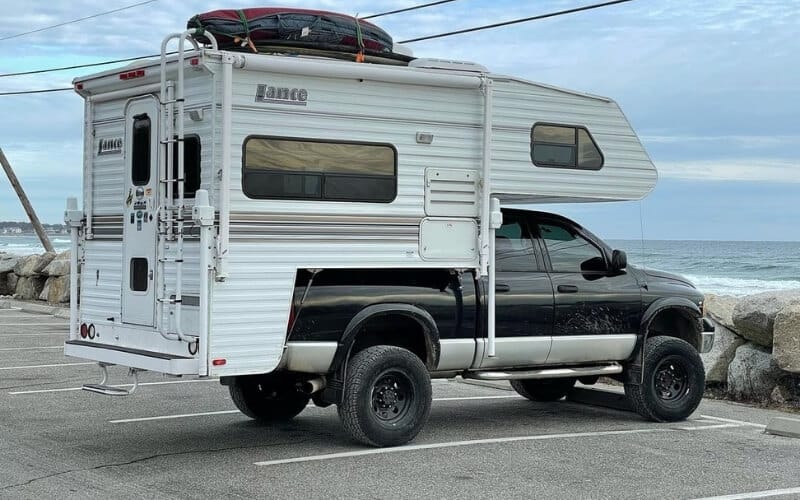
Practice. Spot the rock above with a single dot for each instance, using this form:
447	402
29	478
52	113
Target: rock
58	266
4	288
720	309
44	259
7	262
753	374
781	395
717	360
57	288
786	340
26	265
12	282
754	315
29	287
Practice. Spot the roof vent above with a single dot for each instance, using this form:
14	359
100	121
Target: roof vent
448	64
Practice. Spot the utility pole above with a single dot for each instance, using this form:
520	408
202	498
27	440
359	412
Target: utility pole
26	204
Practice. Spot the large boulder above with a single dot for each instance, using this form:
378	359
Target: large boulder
720	309
717	360
56	290
29	287
754	315
7	262
59	266
44	259
26	266
12	283
753	374
786	341
4	288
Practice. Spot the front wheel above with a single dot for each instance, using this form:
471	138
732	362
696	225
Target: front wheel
673	381
387	396
266	399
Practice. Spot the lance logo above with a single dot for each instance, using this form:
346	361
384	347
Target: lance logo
110	146
281	95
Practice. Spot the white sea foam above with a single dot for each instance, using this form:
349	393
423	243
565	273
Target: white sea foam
740	286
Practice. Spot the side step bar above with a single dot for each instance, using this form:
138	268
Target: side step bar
560	372
110	390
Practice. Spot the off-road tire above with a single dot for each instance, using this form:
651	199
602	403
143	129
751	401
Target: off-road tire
267	401
543	389
673	382
387	396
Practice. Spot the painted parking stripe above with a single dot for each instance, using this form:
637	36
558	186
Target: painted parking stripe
732	421
754	494
227	412
70	389
705	427
45	366
452	444
32	348
60	334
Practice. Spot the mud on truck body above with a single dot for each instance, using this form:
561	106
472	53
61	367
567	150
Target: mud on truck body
310	228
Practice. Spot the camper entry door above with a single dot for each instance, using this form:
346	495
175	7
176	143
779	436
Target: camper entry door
140	220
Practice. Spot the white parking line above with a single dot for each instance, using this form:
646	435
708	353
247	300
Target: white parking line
31	348
704	427
732	421
60	334
45	366
451	444
754	494
226	412
70	389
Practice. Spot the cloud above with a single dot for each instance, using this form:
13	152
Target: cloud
753	170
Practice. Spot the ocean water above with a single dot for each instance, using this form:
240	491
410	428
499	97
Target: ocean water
721	267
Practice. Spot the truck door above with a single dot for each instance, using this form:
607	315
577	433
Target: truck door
140	219
524	298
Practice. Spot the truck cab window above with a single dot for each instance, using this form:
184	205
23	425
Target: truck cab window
513	247
570	252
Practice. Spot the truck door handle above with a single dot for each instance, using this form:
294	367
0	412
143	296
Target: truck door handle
501	287
567	288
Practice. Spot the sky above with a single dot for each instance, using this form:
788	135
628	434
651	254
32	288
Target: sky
712	89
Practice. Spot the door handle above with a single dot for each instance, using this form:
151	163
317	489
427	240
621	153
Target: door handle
567	288
501	287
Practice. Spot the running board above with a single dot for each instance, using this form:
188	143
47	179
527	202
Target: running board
561	372
110	390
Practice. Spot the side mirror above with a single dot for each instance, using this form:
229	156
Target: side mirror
619	260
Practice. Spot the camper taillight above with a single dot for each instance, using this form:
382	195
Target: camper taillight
139	73
84	330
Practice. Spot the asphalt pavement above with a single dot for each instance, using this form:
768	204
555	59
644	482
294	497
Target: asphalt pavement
183	438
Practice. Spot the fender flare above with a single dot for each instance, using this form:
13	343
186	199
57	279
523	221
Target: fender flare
421	316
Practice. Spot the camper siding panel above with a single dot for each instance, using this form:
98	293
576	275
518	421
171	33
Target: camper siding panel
101	286
108	171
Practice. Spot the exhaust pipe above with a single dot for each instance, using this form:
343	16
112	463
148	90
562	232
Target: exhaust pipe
312	386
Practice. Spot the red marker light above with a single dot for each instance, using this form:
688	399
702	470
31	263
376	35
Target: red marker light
78	86
131	74
194	61
84	330
218	361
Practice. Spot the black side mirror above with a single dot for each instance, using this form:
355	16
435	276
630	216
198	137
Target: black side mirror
619	260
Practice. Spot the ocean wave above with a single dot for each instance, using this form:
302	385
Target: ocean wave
740	286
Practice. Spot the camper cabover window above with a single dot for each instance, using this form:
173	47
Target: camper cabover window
564	146
140	161
191	166
307	169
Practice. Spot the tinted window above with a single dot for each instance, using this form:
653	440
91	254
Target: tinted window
140	159
570	252
513	248
315	170
561	146
139	271
191	166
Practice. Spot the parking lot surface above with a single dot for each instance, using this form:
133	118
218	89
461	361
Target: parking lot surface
183	438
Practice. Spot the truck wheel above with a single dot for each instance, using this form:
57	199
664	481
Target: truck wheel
551	389
387	396
673	381
267	401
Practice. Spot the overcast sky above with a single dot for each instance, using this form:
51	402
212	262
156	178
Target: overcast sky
712	88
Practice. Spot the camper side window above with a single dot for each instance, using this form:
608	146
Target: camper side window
561	146
306	169
191	166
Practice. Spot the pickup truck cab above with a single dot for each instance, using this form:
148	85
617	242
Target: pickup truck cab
568	308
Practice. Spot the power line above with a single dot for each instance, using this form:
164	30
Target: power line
40	91
77	20
515	21
373	16
89	65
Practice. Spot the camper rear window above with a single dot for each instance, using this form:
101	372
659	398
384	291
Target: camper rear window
303	169
561	146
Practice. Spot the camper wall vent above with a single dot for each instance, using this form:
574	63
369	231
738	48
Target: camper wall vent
451	193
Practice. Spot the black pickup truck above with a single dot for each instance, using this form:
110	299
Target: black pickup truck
568	308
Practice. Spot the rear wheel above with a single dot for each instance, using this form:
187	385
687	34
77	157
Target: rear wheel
551	389
387	396
266	399
673	381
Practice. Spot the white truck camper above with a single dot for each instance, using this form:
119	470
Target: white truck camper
214	180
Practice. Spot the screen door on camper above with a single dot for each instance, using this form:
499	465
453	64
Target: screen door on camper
140	219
